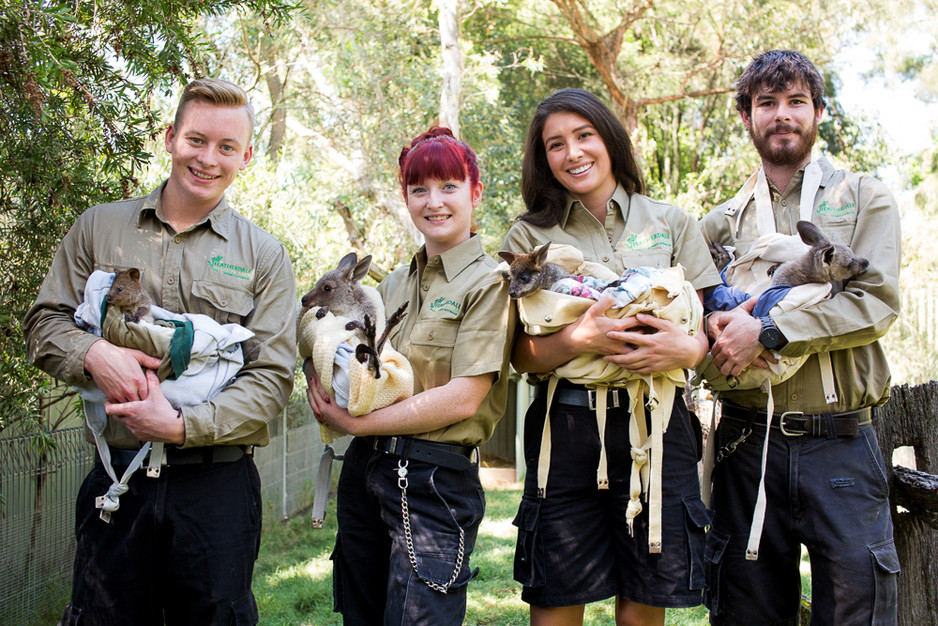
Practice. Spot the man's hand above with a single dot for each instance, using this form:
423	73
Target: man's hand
737	340
118	372
150	419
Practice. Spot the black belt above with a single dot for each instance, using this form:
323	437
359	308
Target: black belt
185	456
448	455
581	396
797	423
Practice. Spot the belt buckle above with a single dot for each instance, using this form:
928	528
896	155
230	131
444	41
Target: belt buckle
392	445
794	415
591	394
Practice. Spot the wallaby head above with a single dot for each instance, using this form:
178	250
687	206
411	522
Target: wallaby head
825	262
339	290
128	295
530	272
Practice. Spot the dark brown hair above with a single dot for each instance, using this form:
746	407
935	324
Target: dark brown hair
543	195
774	71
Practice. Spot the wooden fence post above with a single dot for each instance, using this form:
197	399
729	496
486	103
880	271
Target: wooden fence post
910	418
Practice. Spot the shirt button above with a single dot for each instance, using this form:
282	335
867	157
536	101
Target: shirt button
794	396
171	281
426	287
605	259
177	239
784	202
430	335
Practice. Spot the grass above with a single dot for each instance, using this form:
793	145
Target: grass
293	576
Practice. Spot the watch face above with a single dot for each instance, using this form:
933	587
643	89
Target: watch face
770	337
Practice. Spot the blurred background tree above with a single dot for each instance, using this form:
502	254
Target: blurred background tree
340	87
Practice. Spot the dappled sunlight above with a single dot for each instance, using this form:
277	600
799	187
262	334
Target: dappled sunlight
318	569
498	529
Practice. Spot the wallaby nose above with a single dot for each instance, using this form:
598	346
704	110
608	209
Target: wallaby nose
863	265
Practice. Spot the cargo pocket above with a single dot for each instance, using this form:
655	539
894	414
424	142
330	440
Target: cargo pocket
697	518
245	610
338	572
529	553
714	553
885	573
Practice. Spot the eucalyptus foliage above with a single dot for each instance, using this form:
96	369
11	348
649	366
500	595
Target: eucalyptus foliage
77	80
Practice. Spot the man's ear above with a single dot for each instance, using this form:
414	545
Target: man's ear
744	116
169	137
248	155
818	114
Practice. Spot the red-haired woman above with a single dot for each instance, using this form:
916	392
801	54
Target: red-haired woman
409	497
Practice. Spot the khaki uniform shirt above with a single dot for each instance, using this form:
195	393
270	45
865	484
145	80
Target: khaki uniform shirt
224	267
459	323
858	211
638	232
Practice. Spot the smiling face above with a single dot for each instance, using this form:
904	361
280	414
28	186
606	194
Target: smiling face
442	211
209	146
578	159
783	125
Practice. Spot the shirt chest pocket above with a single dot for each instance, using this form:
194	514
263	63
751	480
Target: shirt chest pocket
431	351
223	303
657	257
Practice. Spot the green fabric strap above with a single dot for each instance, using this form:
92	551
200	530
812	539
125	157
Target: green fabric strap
180	349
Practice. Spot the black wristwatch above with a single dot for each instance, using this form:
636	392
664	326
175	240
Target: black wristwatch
770	336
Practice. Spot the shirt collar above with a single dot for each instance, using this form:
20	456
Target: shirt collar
454	260
620	200
218	220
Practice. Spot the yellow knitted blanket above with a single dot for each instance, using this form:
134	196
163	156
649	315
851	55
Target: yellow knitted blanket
319	339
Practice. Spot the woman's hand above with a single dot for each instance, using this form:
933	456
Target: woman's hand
649	344
588	334
324	406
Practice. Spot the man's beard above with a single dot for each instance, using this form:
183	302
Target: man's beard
794	153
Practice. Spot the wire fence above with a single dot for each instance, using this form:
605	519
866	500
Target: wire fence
37	507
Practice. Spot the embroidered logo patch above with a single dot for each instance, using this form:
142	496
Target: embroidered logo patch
445	305
828	209
218	265
648	242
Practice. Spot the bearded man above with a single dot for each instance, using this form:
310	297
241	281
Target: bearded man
815	469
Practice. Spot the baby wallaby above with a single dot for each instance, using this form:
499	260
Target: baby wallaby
531	272
825	262
127	294
339	292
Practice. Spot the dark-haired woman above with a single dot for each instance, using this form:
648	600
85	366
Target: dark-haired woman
409	497
582	187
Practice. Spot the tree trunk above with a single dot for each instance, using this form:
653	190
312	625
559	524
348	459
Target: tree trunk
910	418
452	65
275	85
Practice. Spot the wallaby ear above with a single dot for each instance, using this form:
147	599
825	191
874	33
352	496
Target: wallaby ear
811	234
361	268
347	262
134	273
541	255
508	257
827	254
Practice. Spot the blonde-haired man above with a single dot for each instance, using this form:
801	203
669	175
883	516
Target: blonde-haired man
181	547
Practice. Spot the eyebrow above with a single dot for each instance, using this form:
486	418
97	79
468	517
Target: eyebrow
575	130
223	140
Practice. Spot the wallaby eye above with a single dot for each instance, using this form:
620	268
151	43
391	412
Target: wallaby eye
524	278
327	288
